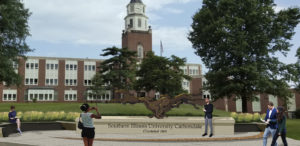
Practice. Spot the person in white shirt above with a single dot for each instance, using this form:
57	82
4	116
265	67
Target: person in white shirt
88	132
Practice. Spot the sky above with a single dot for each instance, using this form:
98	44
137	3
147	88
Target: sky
83	28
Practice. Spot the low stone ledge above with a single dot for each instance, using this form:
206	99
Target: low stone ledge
252	137
166	126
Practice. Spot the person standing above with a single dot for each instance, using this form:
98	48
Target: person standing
270	120
88	132
281	127
12	117
208	110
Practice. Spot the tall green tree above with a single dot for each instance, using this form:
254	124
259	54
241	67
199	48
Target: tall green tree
118	72
237	40
294	72
13	32
161	74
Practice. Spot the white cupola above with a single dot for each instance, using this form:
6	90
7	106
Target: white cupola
136	18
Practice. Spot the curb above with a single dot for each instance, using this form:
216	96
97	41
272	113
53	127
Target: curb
258	136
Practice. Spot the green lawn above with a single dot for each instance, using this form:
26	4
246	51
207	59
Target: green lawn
108	109
293	128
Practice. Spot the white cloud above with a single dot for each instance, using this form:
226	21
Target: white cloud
174	38
279	8
93	22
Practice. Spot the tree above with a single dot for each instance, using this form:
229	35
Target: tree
161	74
118	72
294	72
237	41
98	88
13	32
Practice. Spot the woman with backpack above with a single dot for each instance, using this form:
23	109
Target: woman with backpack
88	130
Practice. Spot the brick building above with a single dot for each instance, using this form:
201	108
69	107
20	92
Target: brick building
259	106
51	79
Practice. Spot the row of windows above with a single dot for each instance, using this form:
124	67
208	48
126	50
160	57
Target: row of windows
88	83
52	66
70	97
71	82
32	66
71	67
194	72
9	97
31	81
54	82
92	97
51	82
185	84
41	97
90	68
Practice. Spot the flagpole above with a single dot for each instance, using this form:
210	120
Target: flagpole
161	48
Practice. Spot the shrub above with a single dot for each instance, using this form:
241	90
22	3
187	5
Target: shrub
297	113
41	116
248	118
256	117
263	116
241	118
234	115
4	116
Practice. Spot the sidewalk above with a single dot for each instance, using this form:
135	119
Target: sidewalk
54	138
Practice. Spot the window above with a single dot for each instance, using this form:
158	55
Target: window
5	97
90	67
75	67
31	65
31	82
94	68
131	8
139	22
131	23
47	81
27	65
67	66
52	66
85	67
71	66
36	66
48	66
140	51
56	66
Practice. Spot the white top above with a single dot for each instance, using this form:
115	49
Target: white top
87	120
270	112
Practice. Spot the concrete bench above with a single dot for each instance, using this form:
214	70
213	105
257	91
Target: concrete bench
7	129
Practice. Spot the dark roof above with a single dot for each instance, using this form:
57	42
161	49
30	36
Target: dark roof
136	1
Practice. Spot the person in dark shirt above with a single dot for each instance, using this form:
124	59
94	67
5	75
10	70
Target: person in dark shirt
208	110
281	127
12	115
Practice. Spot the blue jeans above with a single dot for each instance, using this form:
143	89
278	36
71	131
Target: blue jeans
268	131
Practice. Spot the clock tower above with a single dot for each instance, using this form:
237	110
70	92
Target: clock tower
137	35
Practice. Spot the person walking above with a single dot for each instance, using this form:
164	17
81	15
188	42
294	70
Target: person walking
12	117
281	127
270	120
88	132
208	110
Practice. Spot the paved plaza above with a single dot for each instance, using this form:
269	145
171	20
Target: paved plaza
55	138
